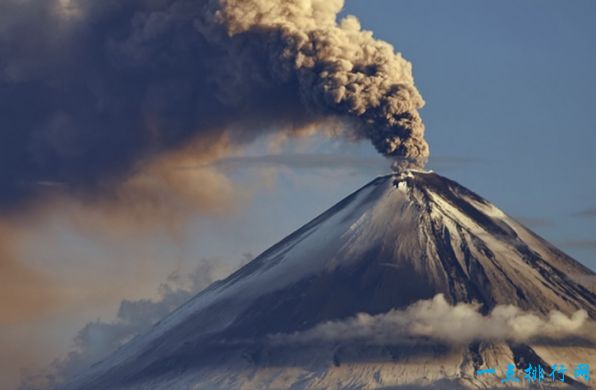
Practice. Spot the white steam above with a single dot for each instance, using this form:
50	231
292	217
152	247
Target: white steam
453	324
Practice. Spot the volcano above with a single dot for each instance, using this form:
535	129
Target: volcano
400	239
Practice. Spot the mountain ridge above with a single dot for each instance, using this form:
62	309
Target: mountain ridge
400	239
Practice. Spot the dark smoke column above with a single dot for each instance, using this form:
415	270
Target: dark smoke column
96	89
341	70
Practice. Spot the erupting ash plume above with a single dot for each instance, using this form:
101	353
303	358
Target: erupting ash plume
89	90
340	69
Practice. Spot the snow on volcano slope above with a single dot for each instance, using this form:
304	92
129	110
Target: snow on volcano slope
398	240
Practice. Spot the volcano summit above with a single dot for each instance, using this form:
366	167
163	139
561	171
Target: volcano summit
308	313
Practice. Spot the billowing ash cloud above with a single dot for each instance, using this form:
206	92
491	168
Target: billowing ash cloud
436	319
91	90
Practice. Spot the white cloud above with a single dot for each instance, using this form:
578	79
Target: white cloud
453	324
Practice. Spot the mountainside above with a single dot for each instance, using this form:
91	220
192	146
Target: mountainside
398	240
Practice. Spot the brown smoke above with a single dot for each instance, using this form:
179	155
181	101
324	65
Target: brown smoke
340	69
164	192
89	89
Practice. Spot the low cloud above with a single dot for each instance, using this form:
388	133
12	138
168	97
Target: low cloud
324	161
445	163
580	244
453	324
304	161
533	222
586	213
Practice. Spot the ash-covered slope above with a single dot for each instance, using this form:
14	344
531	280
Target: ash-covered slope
398	240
